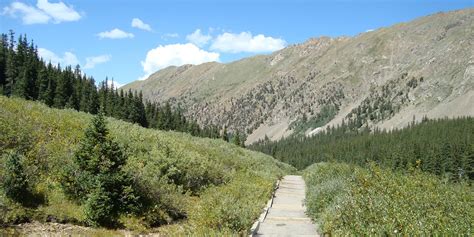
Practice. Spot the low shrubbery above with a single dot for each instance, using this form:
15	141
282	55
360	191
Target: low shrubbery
169	176
229	207
349	200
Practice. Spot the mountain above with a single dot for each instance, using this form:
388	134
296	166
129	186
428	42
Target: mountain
384	78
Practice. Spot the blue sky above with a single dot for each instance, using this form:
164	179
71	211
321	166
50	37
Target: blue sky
100	36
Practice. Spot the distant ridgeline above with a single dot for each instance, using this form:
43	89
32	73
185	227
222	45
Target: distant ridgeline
24	74
443	147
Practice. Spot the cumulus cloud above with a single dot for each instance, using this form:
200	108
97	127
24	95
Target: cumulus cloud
58	11
175	55
115	34
246	42
91	62
198	38
67	59
43	13
29	15
137	23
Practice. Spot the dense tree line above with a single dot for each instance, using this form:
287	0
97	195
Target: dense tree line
443	147
24	74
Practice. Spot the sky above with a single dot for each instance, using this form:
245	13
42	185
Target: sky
129	40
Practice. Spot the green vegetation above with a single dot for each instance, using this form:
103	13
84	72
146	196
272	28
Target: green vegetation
350	200
413	181
97	178
384	102
15	182
443	147
168	177
326	114
25	75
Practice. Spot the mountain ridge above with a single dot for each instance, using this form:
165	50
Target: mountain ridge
380	78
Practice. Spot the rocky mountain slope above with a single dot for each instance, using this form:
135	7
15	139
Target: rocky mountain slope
384	78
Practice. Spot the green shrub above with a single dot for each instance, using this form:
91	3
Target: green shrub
15	182
378	201
12	212
234	206
99	208
325	186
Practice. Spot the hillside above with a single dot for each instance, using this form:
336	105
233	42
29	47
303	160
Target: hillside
382	78
188	181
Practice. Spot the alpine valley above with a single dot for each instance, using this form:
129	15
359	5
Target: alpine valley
384	78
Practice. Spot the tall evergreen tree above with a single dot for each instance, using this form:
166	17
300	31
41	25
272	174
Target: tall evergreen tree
225	135
236	138
101	183
3	60
60	93
11	70
15	183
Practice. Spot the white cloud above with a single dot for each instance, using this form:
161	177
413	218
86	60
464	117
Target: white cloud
170	35
43	13
115	34
369	30
245	42
67	59
198	38
137	23
175	55
91	62
29	15
58	11
70	59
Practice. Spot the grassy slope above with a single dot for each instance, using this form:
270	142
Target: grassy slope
349	200
204	179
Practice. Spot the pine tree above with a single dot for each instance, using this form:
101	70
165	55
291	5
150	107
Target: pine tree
42	84
166	117
25	86
93	97
100	181
60	92
15	183
3	60
242	140
141	110
225	135
236	138
11	70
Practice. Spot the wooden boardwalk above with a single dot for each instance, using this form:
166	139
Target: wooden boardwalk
286	216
